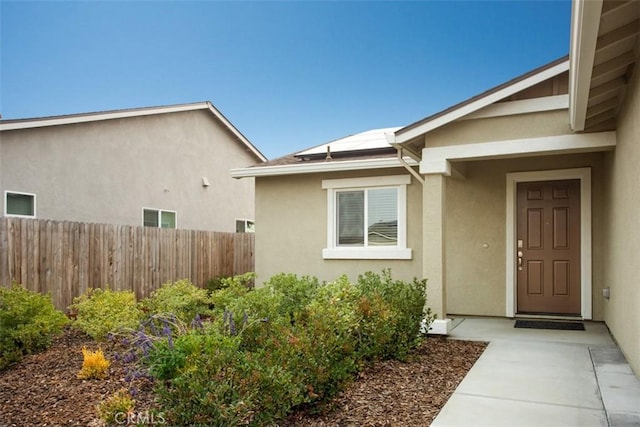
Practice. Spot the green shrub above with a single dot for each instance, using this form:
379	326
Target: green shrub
294	341
167	355
217	283
233	288
28	320
182	299
214	383
407	305
377	326
326	328
114	410
294	293
224	375
103	311
279	300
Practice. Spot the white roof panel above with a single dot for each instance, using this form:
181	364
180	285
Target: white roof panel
369	140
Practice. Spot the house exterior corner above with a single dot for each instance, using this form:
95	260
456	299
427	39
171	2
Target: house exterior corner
620	230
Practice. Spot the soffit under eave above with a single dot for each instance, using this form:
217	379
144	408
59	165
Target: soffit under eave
615	60
413	148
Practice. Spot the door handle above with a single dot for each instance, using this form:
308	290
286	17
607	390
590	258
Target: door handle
520	255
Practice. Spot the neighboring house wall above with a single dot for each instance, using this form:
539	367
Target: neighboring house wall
476	215
621	229
107	171
291	228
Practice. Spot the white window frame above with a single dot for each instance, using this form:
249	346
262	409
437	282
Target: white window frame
246	225
160	217
21	193
333	186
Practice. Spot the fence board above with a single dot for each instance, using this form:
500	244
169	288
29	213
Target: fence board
4	248
35	256
65	258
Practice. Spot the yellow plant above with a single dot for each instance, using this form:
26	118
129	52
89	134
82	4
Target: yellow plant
94	365
117	408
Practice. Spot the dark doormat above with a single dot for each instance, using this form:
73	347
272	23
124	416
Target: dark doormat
549	324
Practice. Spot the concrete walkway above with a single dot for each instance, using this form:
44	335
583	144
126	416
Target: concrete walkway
531	377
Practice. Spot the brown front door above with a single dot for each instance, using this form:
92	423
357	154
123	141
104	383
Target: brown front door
548	247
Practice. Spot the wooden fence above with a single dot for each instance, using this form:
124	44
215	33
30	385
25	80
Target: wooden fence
66	258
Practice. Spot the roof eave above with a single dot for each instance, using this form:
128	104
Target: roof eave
318	167
92	117
126	113
236	132
585	22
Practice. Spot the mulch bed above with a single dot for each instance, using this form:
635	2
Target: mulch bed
393	393
43	389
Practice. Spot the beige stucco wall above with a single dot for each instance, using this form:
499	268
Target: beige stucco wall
107	171
291	228
476	209
532	125
621	228
291	214
476	216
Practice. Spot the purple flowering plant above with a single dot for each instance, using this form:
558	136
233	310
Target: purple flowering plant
154	333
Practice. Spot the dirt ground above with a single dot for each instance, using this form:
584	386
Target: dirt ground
43	389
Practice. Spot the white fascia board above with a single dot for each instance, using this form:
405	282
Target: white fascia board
524	106
93	117
391	138
482	102
585	22
235	131
332	166
435	158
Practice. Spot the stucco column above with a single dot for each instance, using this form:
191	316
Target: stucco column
434	253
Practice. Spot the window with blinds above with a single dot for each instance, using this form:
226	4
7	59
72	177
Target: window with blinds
367	217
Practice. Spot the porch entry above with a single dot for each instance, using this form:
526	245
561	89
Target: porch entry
548	247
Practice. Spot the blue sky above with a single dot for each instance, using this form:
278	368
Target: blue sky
287	74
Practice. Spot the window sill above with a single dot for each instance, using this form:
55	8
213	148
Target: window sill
366	253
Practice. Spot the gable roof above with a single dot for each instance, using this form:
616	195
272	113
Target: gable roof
482	100
28	123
